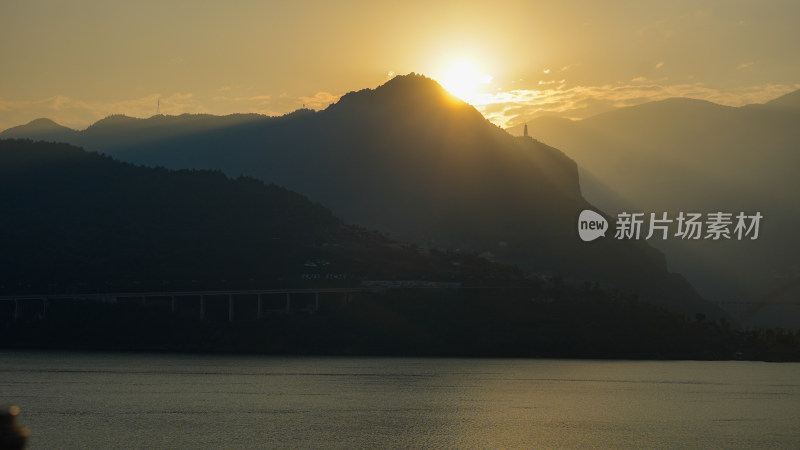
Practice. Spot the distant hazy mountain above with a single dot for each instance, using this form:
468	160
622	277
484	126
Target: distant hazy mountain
411	160
692	155
788	101
41	129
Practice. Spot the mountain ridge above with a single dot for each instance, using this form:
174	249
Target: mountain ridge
86	222
790	100
410	160
691	155
43	128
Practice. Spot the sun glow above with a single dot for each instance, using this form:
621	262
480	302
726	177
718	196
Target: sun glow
462	79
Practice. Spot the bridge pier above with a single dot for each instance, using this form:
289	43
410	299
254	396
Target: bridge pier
230	307
17	312
316	301
202	307
173	304
288	303
260	314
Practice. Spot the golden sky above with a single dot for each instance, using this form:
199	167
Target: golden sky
78	61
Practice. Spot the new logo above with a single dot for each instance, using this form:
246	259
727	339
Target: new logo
591	225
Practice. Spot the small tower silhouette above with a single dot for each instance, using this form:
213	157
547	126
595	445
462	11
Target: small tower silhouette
525	132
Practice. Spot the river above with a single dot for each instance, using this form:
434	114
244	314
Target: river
129	400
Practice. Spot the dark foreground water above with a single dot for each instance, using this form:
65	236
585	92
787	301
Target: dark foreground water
98	400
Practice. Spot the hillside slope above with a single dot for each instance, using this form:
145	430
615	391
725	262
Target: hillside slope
691	155
410	160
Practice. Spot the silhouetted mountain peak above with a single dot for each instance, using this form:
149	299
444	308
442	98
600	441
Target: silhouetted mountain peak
671	112
404	92
42	128
112	121
45	124
413	84
302	112
40	125
119	121
669	105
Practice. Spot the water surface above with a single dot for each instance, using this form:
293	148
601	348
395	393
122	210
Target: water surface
118	400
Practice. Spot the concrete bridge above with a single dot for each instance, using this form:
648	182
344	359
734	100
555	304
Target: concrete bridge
43	301
291	299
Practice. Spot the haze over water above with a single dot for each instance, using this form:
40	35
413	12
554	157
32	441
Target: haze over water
97	400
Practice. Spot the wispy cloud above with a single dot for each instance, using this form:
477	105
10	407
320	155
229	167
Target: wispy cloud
319	100
254	99
516	106
745	65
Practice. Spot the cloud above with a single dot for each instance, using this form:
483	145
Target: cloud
229	104
510	108
649	80
257	99
660	65
745	65
319	100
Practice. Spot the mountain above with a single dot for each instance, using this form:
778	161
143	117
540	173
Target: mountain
409	159
83	222
42	129
787	101
695	156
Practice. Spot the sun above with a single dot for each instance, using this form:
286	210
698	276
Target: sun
463	79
